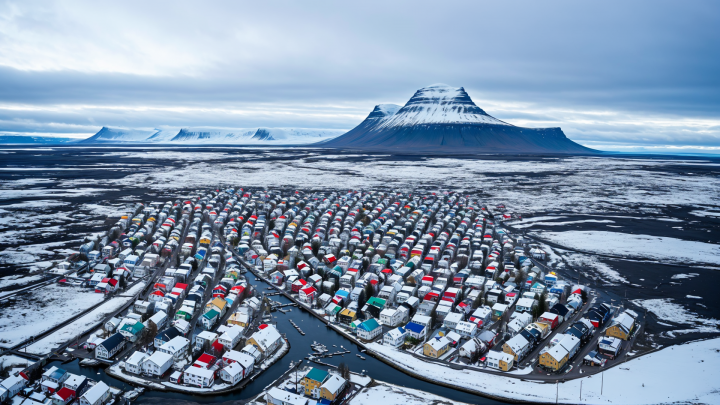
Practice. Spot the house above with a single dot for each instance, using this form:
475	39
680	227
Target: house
109	347
312	381
131	330
267	340
307	295
276	396
12	385
423	320
96	395
500	360
498	310
52	379
231	337
482	316
243	359
218	304
231	374
239	319
390	317
76	382
165	336
472	348
157	364
332	387
209	318
452	319
551	319
416	331
373	307
206	361
466	329
204	339
347	316
621	327
569	343
563	312
610	346
159	319
518	322
369	329
63	397
177	347
253	352
395	337
526	305
554	358
436	347
134	363
199	377
518	346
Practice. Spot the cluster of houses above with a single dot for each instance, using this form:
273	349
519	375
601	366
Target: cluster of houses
316	386
56	387
218	358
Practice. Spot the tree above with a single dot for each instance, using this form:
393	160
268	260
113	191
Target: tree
149	333
368	290
344	371
433	315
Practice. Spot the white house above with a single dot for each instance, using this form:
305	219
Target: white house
205	337
525	305
246	361
395	337
276	396
12	385
518	322
452	319
466	329
96	395
253	352
267	340
158	319
390	317
494	359
109	347
482	316
471	347
134	364
422	320
232	374
231	337
199	377
369	329
157	364
177	347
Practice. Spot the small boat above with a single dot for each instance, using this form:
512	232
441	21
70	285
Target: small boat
361	357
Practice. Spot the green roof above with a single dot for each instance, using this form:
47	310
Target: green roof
316	374
211	314
134	329
376	302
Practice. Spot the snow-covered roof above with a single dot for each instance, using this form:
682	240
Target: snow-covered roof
266	337
517	343
74	380
396	333
200	372
233	369
160	358
438	343
95	393
177	343
497	356
136	358
557	352
453	317
467	327
286	397
232	332
333	383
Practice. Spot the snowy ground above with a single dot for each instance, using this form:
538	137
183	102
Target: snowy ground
41	309
667	310
678	374
637	246
390	394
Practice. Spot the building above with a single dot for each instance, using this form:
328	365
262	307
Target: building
157	364
134	363
452	319
550	318
232	374
63	397
76	382
253	352
307	295
52	379
416	331
312	381
177	347
390	317
395	337
109	347
267	340
517	346
347	316
526	305
12	385
244	360
231	337
436	347
518	322
472	348
482	316
132	330
165	336
209	318
555	358
96	395
276	396
199	377
610	346
500	360
204	339
333	386
239	319
369	329
621	327
466	329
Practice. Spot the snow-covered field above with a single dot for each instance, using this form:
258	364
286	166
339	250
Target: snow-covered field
688	373
385	393
637	246
42	309
667	310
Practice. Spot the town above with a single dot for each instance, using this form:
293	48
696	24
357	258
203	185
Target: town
436	276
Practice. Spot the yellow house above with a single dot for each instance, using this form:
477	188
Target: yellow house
332	387
555	358
621	327
500	360
239	318
436	347
217	304
313	380
347	316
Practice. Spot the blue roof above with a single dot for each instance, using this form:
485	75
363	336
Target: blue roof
369	325
414	327
401	329
342	293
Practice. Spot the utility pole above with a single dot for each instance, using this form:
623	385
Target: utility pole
602	382
580	390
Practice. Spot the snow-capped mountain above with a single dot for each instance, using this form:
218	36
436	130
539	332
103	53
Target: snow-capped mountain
215	136
439	119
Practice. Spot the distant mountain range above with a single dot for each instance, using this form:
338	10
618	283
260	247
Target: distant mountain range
24	139
218	136
439	119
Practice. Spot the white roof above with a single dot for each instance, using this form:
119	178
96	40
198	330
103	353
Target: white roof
506	357
74	380
232	332
10	381
395	333
466	326
438	343
421	319
517	343
96	392
136	358
557	352
482	312
174	345
625	321
207	335
549	315
333	383
200	372
569	342
286	397
453	317
160	358
266	337
526	302
158	317
388	312
233	369
499	307
251	350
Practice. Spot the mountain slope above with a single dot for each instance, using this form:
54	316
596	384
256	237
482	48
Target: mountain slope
444	119
107	134
215	136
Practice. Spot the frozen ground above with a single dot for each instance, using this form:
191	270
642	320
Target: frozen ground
384	393
38	310
643	380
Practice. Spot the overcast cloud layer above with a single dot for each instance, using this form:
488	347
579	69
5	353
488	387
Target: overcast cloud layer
613	75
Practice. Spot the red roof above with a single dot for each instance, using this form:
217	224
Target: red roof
218	346
65	393
262	326
181	285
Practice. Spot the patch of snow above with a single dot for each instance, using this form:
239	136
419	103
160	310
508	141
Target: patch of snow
683	276
599	221
665	309
385	393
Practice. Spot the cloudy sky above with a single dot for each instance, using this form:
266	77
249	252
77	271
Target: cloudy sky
614	75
